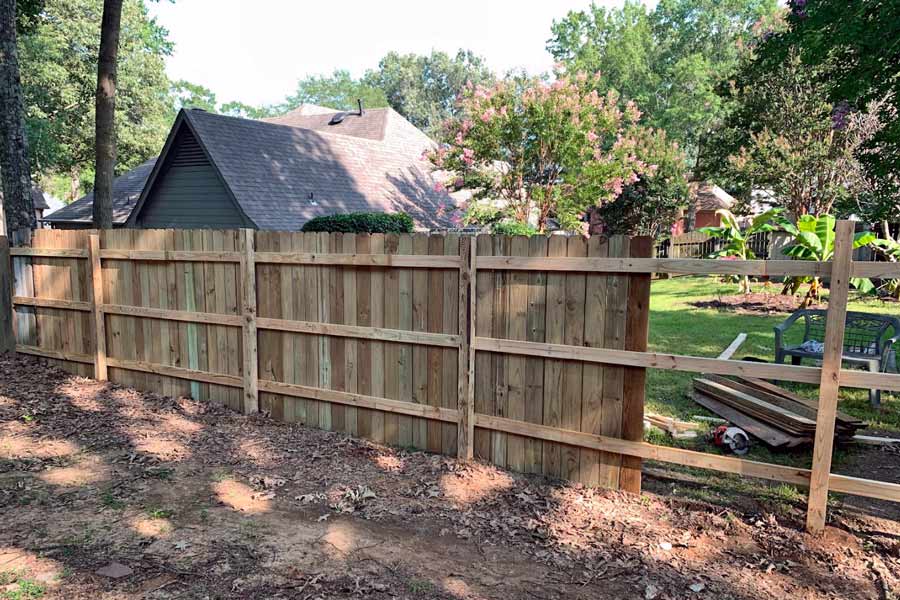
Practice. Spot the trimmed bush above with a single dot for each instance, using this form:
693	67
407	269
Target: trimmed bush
361	223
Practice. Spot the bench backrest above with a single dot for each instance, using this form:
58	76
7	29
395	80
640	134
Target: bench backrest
863	332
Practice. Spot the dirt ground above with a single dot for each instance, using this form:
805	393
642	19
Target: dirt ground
756	303
110	493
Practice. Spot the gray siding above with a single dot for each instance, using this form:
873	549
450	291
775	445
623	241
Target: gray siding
188	193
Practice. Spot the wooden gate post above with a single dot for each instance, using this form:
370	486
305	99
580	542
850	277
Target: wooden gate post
466	394
248	309
829	385
97	300
7	336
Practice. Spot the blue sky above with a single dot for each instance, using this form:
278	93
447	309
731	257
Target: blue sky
255	51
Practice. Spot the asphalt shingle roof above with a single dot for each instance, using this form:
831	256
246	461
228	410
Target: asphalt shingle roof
126	191
283	175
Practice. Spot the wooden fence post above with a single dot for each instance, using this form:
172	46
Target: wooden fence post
7	336
251	353
466	393
829	387
96	301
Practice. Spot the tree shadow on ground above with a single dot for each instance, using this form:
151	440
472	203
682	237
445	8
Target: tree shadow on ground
198	501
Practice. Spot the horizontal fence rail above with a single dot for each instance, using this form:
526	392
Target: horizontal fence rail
232	289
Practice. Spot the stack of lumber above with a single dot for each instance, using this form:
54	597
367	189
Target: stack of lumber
777	416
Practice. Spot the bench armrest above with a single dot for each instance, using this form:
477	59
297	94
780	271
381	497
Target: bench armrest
886	351
784	326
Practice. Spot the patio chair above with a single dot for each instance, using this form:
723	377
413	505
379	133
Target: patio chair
865	341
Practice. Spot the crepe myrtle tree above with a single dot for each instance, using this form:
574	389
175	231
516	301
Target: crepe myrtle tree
545	149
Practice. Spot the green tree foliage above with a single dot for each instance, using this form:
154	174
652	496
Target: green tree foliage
338	90
668	60
855	47
652	204
59	75
424	88
784	135
552	149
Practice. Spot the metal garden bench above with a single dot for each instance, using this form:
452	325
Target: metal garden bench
865	341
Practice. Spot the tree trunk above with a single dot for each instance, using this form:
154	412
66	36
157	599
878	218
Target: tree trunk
14	170
106	113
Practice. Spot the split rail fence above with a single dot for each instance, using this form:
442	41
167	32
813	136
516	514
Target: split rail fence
528	352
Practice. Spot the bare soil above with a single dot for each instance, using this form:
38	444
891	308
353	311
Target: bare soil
189	500
755	303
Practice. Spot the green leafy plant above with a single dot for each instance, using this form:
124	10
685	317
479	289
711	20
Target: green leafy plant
361	223
737	240
814	240
890	249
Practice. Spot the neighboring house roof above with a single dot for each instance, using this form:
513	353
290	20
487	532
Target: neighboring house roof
283	171
711	197
126	191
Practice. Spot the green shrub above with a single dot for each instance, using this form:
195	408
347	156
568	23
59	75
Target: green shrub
513	228
361	223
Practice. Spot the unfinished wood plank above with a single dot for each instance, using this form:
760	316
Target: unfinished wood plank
54	354
361	401
553	369
166	255
351	347
829	387
376	381
52	303
572	376
100	371
767	433
450	374
405	354
516	329
7	335
435	356
338	343
698	266
364	350
596	468
500	323
483	325
465	442
392	350
248	311
173	315
324	342
637	329
48	252
368	259
170	371
534	367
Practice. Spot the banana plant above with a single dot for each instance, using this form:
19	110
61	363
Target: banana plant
737	240
814	240
890	249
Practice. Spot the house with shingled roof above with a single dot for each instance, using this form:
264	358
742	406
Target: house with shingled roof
224	172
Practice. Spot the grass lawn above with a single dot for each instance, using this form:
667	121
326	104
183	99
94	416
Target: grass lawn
680	328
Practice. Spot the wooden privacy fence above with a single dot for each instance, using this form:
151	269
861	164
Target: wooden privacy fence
530	353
